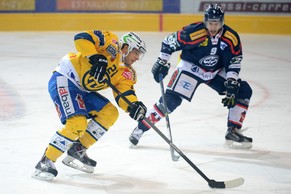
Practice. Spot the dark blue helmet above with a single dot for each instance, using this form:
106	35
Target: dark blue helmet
215	13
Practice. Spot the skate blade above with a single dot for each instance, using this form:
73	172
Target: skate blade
238	145
74	163
44	176
132	146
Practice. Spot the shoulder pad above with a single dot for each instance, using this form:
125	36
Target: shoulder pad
198	34
231	35
195	30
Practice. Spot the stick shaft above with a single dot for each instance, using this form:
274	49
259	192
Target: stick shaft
161	134
174	157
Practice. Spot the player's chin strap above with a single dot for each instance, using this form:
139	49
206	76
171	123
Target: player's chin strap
211	182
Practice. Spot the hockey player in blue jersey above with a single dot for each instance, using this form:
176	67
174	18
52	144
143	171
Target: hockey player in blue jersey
211	54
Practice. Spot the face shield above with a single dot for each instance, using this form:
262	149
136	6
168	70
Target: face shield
135	44
141	51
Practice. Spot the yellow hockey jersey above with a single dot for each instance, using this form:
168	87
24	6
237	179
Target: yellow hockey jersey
76	66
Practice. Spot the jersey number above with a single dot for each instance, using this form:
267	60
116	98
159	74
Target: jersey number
213	51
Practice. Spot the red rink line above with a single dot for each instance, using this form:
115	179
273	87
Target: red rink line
10	103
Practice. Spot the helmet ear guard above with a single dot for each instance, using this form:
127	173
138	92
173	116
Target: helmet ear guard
133	41
214	13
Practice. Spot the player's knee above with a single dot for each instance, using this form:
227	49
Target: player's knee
172	100
245	91
75	127
107	116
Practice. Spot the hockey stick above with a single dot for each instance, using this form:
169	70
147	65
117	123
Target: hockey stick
173	155
211	182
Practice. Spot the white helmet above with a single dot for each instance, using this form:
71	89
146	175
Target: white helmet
133	41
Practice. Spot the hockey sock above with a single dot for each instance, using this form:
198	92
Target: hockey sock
93	133
155	114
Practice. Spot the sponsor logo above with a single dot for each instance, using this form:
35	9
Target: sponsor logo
153	118
186	85
80	101
127	74
98	133
65	100
72	56
194	68
209	61
173	78
60	143
58	109
243	116
234	66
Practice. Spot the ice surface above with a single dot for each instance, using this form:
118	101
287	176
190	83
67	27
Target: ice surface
28	120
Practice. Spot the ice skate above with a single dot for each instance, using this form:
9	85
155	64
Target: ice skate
78	159
235	139
45	169
135	136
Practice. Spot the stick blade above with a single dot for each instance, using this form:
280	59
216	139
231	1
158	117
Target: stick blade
226	184
234	183
175	157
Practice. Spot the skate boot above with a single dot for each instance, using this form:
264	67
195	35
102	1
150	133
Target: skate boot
235	139
45	169
135	136
78	159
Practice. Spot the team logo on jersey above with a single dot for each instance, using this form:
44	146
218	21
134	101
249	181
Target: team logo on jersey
222	45
112	52
209	61
171	41
236	60
204	43
91	84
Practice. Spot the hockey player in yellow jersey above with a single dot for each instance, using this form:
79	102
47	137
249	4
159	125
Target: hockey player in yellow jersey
85	113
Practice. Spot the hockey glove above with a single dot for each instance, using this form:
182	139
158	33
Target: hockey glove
232	87
160	67
99	65
137	110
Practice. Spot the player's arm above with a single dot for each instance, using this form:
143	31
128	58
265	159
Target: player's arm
137	110
232	57
232	54
86	43
186	38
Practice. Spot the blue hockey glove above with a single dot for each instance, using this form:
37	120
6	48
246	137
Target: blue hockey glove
232	87
160	67
137	110
99	65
